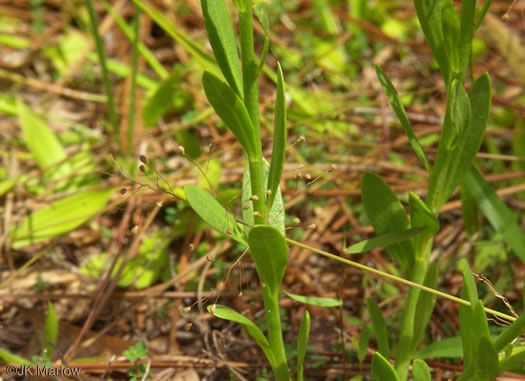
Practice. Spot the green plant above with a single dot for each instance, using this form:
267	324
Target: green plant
134	354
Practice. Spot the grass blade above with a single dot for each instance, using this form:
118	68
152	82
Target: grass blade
380	331
279	140
315	301
302	343
382	370
385	240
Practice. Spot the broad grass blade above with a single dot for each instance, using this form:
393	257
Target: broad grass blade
487	360
60	217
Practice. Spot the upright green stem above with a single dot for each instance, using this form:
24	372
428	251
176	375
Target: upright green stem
275	337
251	101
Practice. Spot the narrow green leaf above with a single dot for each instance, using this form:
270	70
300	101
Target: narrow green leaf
380	331
276	217
420	371
10	358
482	13
384	240
279	139
362	345
487	360
7	185
227	313
468	335
399	109
232	111
177	33
213	213
451	347
421	216
429	15
498	214
270	254
218	21
261	11
466	15
508	335
454	158
382	370
468	282
387	215
315	300
59	217
425	306
50	330
460	112
302	343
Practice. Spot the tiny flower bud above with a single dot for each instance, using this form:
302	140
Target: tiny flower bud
308	177
301	139
123	191
141	168
332	168
300	166
143	159
296	221
246	206
135	229
187	327
268	193
159	204
312	226
256	214
229	231
191	247
186	309
181	150
254	197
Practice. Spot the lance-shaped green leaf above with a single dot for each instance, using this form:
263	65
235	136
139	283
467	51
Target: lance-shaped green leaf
59	217
213	213
455	154
420	371
487	360
467	12
232	111
421	216
270	254
218	21
385	240
302	343
429	15
50	330
424	306
380	331
279	139
451	347
10	358
508	335
227	313
315	300
387	215
498	214
276	216
399	109
382	370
